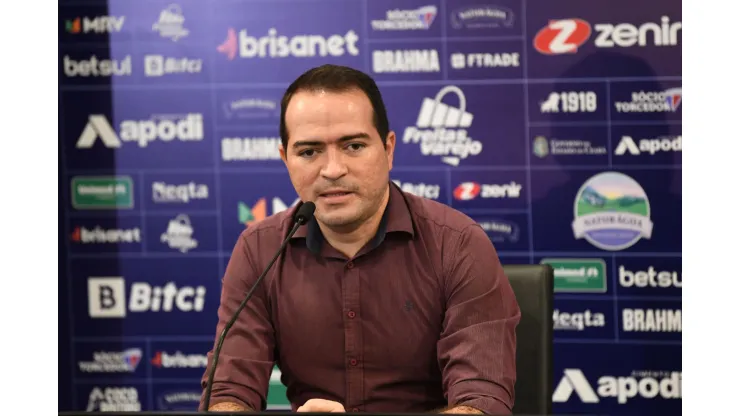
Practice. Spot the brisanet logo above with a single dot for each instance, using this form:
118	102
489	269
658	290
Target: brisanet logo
566	36
107	297
186	128
279	46
640	384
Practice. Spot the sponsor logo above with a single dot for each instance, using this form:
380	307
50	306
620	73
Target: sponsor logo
500	231
179	234
612	212
542	147
299	46
107	297
171	23
569	102
188	128
163	192
651	320
113	399
484	60
577	321
412	19
98	24
480	17
250	108
102	192
96	67
159	65
644	384
649	278
441	130
99	235
420	189
652	146
471	190
112	362
250	148
258	212
405	61
578	275
566	36
180	400
179	360
667	101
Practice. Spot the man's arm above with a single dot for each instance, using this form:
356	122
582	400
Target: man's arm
246	359
477	348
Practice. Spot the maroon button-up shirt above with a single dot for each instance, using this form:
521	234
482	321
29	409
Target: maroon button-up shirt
421	318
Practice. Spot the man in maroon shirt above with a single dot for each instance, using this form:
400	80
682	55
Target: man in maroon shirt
384	301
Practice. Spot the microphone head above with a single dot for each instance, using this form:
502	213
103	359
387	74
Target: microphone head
305	212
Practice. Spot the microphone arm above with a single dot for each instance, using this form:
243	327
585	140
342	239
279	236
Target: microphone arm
304	213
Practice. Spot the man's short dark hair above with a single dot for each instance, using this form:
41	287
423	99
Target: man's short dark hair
336	78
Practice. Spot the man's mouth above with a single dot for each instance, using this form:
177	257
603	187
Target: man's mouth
334	194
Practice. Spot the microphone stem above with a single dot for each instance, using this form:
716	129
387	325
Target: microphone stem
231	322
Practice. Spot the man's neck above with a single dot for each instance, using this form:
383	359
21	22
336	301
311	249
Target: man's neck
351	241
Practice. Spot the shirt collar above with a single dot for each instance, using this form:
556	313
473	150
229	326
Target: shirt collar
396	219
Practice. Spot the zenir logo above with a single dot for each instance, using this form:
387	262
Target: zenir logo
574	381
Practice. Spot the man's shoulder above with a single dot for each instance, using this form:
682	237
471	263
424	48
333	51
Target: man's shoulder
437	215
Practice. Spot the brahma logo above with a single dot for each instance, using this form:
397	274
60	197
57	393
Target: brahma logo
568	35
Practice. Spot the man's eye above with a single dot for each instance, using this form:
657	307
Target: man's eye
306	153
356	146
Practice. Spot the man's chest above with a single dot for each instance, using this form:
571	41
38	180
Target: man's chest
368	315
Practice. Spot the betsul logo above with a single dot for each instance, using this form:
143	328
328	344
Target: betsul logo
562	36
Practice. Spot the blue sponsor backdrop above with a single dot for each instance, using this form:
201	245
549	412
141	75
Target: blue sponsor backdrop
555	125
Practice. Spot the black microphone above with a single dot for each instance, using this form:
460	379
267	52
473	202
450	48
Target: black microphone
303	214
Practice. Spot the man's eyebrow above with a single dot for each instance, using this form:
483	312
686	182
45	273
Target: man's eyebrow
299	143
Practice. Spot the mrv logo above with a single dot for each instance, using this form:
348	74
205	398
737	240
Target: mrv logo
646	385
442	130
107	297
187	128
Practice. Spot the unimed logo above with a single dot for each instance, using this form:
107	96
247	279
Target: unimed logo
107	297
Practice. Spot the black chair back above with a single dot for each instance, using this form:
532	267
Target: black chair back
533	286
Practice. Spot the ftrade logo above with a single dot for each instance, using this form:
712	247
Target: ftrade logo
188	128
258	212
467	191
107	297
442	130
566	36
278	46
643	384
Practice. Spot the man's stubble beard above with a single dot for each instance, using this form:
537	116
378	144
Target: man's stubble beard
366	208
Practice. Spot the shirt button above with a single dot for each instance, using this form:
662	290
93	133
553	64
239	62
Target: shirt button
351	314
355	409
350	265
353	362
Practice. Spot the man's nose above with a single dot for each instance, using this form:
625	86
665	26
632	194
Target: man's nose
334	168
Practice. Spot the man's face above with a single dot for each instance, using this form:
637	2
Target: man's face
335	156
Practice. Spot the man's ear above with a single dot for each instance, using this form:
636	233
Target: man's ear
283	154
390	146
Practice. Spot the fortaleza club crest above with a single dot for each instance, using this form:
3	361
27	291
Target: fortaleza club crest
612	212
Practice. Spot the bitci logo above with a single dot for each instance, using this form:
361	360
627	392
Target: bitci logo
562	36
